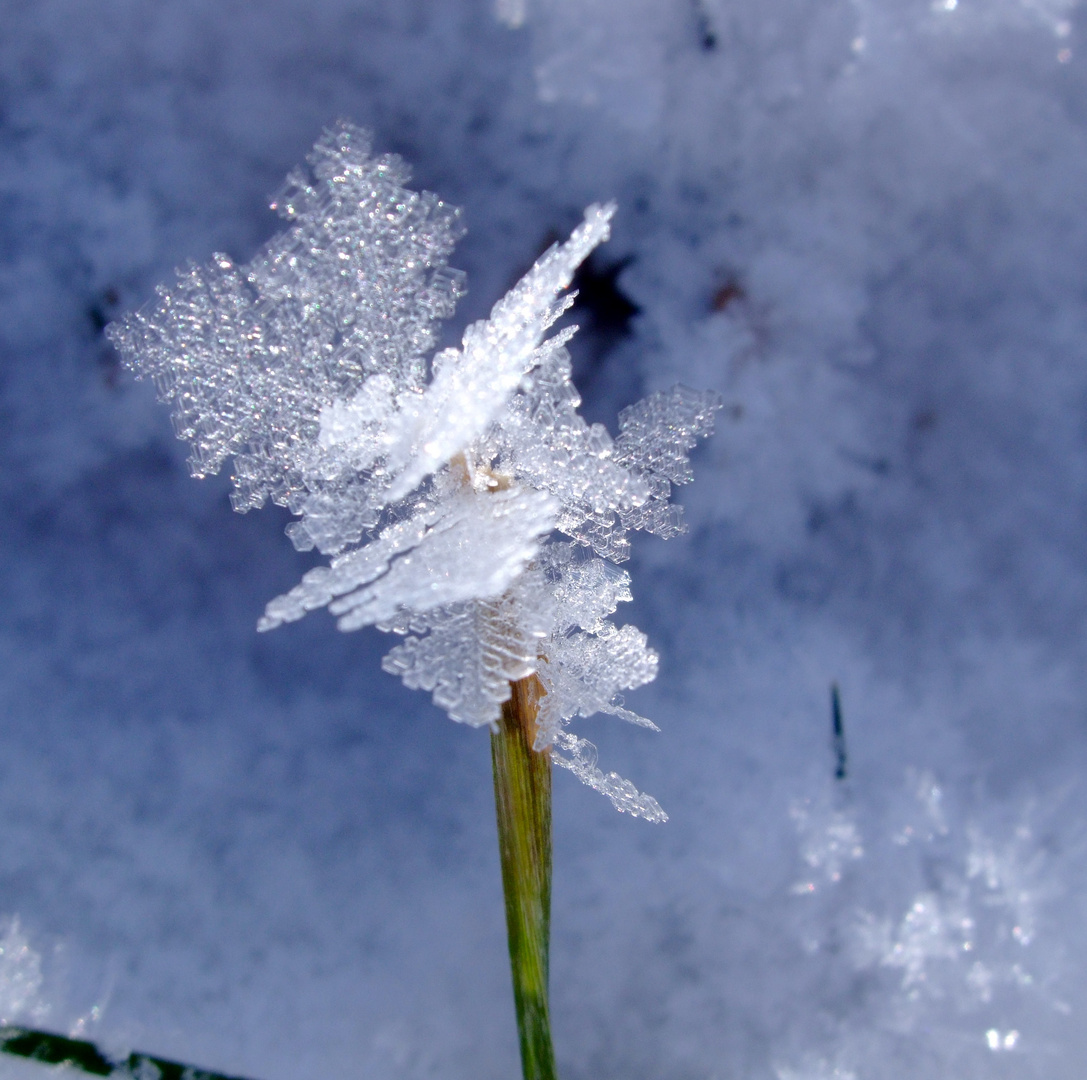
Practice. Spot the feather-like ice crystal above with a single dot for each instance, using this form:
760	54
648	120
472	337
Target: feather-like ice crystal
434	487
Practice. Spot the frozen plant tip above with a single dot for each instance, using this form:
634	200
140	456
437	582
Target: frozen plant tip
436	488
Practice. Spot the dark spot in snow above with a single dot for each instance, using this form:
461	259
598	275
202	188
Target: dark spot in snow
727	295
599	295
707	35
100	313
102	309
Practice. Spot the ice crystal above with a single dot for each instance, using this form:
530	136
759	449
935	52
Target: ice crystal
434	487
959	941
830	841
20	975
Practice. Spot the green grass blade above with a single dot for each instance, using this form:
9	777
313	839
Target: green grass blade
85	1057
522	793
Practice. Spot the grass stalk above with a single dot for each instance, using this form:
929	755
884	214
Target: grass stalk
522	795
76	1054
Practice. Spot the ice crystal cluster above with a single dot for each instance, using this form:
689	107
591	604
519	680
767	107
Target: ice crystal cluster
20	976
948	951
436	487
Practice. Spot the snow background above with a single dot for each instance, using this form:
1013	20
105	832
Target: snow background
859	221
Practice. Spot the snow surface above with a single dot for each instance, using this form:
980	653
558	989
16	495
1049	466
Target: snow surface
856	220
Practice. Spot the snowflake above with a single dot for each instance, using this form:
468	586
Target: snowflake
436	487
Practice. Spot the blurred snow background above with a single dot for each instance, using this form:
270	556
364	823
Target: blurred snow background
860	221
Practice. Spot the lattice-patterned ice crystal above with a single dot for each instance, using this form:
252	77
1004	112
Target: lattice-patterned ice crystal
489	539
435	490
250	355
470	389
472	651
579	756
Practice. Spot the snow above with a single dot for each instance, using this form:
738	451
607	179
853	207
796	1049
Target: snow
860	223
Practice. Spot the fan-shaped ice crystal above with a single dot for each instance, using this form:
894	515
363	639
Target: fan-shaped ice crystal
474	650
250	355
434	491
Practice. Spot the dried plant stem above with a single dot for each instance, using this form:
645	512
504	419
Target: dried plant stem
522	794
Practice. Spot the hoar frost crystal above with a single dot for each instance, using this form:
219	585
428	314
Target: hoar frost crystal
435	491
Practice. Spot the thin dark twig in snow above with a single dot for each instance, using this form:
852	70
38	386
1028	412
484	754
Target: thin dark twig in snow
838	729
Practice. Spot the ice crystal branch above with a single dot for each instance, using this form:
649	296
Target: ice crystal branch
435	488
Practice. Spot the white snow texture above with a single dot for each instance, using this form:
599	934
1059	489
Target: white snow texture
861	221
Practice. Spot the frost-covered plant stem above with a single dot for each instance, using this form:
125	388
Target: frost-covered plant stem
522	796
439	486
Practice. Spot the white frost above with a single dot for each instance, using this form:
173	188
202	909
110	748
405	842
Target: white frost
435	494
